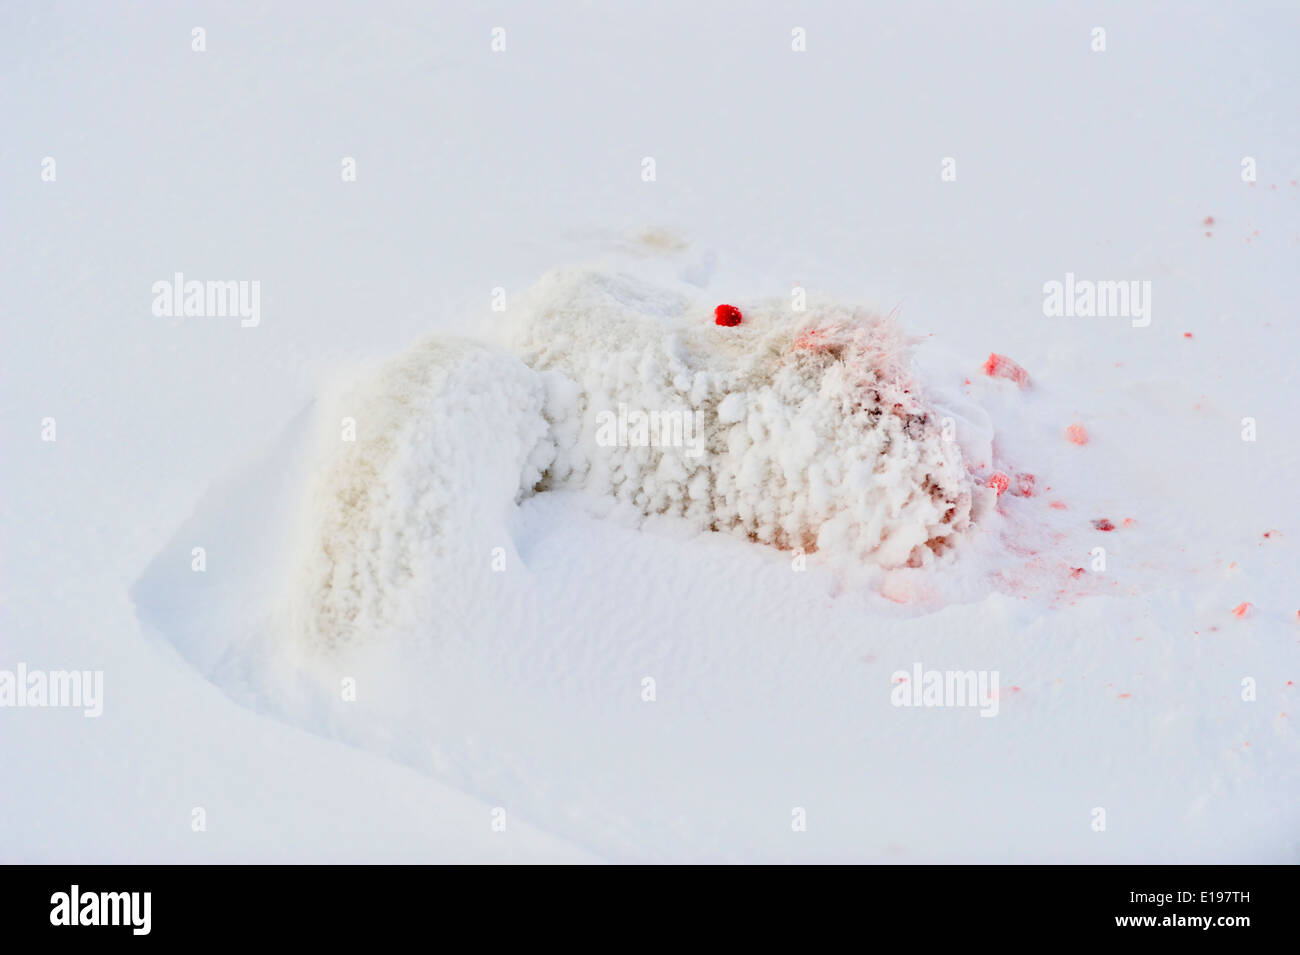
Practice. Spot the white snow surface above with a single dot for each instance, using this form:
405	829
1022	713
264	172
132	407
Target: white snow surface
522	690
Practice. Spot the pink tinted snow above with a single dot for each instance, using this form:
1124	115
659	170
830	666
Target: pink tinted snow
1000	366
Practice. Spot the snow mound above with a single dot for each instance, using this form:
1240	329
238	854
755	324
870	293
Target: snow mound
802	430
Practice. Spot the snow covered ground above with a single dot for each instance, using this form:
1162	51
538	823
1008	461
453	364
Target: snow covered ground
1133	690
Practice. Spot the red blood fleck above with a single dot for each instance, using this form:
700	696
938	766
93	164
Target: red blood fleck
727	315
1187	334
1076	572
1000	366
1025	484
999	482
1242	609
1126	696
1103	525
1076	434
1129	522
1209	235
1209	220
1057	505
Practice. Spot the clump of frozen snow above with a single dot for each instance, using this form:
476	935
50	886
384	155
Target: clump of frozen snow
798	430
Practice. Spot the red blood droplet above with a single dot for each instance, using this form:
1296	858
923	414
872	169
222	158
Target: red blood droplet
1209	220
1076	572
1103	525
1000	366
1187	334
727	315
1057	505
1025	484
1242	609
1076	434
999	482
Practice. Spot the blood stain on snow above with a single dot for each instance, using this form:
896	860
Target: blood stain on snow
1102	524
1057	505
1129	522
1076	434
1242	609
1209	220
1076	572
1000	366
727	315
999	482
1187	334
1025	484
1125	696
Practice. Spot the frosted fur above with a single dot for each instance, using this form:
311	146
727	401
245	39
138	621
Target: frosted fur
449	434
813	435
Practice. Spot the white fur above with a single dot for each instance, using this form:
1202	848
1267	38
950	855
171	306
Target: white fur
815	436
